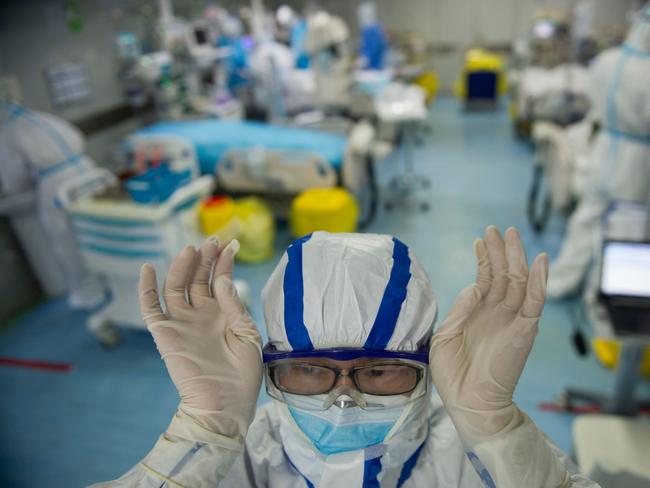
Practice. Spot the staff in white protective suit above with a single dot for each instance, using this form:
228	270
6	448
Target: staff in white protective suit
349	364
326	43
38	152
621	155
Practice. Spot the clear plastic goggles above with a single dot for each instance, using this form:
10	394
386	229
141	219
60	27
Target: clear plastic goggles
316	382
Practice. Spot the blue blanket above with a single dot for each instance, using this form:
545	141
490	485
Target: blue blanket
213	138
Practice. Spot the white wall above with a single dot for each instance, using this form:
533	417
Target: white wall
34	36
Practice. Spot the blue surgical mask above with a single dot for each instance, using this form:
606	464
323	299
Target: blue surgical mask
345	429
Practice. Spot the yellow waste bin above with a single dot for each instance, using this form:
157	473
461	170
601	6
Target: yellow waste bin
216	216
428	81
329	209
248	220
481	61
608	351
256	229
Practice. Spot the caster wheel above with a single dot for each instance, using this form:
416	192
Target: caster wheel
108	335
388	207
424	207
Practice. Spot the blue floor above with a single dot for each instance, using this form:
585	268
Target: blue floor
93	423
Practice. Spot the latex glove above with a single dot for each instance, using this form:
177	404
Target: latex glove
479	352
208	341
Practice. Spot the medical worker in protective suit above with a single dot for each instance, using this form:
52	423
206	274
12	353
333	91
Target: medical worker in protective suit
350	365
38	153
621	155
374	42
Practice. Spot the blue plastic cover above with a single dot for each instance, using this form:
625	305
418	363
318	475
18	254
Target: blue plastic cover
212	138
156	184
374	46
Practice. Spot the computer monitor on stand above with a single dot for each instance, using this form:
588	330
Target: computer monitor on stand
625	292
625	286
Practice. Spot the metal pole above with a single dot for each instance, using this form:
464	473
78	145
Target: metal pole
623	401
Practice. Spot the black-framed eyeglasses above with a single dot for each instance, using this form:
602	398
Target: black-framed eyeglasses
302	377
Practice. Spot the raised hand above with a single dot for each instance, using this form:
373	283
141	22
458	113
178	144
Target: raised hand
210	345
480	350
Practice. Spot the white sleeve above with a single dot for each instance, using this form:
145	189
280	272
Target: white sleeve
181	462
525	457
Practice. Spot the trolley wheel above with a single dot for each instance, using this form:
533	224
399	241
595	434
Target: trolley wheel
108	335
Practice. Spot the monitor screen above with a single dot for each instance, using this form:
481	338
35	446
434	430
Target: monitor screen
626	269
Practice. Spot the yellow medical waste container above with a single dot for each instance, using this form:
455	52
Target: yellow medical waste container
215	213
256	232
428	81
330	209
480	60
607	351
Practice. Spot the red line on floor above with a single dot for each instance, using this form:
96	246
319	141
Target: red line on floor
580	409
32	364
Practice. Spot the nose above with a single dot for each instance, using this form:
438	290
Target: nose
345	380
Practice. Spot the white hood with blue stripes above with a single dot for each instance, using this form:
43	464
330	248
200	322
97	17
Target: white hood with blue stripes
349	290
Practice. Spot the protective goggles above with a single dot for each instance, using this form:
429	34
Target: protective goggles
374	379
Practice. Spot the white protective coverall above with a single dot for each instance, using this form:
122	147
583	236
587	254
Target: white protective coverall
38	152
355	291
325	42
621	154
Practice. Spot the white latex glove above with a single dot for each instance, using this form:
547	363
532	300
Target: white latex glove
479	352
208	341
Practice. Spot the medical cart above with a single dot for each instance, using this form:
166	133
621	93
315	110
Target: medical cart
117	236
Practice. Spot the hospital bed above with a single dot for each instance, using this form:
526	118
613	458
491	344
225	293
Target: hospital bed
116	236
277	160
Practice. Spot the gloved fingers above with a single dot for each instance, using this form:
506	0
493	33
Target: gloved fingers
178	278
484	271
150	308
232	307
465	304
517	270
536	289
225	263
498	264
226	294
205	259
